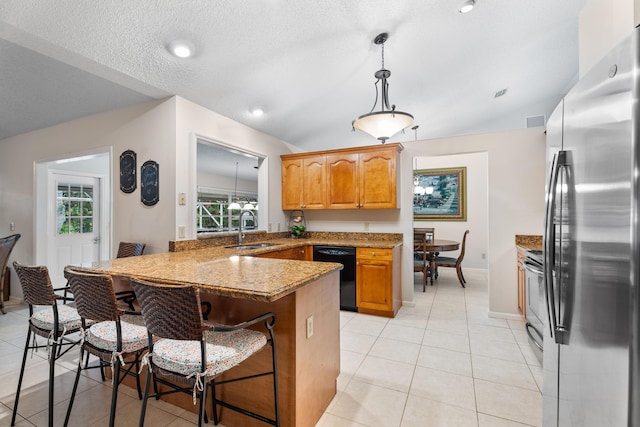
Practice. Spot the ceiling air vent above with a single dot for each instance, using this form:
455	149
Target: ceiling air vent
500	93
535	121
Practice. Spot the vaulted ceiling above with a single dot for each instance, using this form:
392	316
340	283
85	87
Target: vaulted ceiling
308	64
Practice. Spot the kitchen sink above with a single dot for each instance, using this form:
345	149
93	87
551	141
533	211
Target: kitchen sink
252	246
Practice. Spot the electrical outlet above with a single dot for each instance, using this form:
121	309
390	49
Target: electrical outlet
182	199
270	227
278	227
366	226
181	232
309	327
12	226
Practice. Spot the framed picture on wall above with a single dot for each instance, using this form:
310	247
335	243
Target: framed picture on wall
440	194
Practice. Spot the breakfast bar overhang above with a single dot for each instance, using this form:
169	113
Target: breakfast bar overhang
241	287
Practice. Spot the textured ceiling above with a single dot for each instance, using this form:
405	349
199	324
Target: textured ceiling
308	64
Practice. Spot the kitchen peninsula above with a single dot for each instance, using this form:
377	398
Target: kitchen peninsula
240	284
240	287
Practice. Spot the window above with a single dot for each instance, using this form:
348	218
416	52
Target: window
213	215
75	209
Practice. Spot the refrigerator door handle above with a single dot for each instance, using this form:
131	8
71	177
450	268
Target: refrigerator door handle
549	243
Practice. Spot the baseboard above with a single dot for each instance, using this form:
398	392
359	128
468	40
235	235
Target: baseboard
408	303
13	301
506	316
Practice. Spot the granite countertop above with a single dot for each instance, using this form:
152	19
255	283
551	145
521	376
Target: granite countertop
529	242
215	268
361	240
221	271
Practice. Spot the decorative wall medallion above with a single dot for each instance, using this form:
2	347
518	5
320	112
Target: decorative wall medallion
128	171
149	183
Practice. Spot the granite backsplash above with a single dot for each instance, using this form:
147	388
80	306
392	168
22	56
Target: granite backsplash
225	239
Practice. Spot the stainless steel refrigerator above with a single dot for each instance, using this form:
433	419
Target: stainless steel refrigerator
591	356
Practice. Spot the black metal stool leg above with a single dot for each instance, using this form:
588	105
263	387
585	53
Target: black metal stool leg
24	361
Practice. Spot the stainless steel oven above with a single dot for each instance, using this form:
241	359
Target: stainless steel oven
536	308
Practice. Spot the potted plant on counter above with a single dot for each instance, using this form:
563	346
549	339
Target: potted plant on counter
297	230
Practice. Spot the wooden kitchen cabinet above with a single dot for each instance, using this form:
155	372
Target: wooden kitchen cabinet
352	178
365	180
378	281
522	284
304	183
303	253
342	176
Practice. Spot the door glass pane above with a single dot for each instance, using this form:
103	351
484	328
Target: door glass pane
76	191
75	209
87	225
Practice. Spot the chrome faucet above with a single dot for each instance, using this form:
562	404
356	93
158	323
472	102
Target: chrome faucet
240	233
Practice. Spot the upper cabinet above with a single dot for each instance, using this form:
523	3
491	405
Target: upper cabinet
306	183
354	178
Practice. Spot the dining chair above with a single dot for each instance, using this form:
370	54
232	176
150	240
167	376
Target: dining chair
6	246
421	257
116	342
187	353
55	323
456	263
428	231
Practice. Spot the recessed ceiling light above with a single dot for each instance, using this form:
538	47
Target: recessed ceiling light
257	112
467	6
181	48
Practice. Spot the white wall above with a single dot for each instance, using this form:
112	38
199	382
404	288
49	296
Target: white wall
516	164
477	207
148	129
192	120
604	24
165	132
162	131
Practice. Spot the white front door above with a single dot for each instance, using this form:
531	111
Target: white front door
76	223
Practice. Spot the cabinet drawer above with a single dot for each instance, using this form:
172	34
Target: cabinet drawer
374	253
304	253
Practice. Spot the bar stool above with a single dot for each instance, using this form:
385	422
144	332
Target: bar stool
188	353
126	250
115	342
54	323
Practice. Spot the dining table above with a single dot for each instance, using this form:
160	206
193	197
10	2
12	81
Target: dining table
436	246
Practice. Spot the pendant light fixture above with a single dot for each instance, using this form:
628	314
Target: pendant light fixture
235	205
387	122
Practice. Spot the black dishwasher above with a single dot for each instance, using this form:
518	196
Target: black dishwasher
347	257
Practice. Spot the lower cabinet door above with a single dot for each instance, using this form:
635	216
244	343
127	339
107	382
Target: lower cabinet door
373	285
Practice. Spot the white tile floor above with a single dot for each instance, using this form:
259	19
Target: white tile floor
440	363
